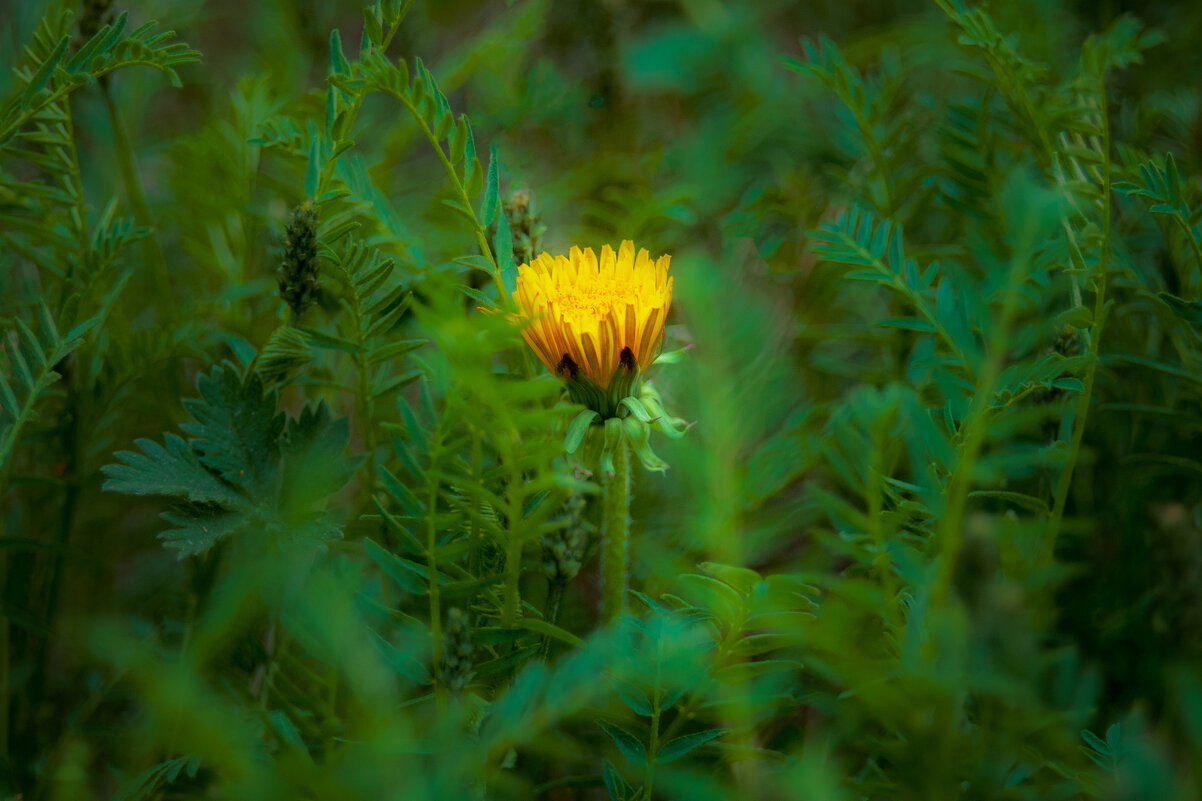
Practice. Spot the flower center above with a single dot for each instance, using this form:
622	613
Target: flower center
593	299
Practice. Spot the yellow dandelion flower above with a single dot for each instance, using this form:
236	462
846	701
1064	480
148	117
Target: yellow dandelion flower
589	315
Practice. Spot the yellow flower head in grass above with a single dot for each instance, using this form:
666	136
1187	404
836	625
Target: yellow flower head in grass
595	316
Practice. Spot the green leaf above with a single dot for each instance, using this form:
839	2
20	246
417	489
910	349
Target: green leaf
634	697
402	662
338	63
627	743
371	26
741	578
38	80
491	190
1188	310
1077	317
394	349
401	494
503	250
503	663
615	785
1028	502
392	566
384	387
539	626
908	323
458	142
741	672
8	400
675	749
331	342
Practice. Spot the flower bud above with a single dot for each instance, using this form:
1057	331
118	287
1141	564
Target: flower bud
563	549
297	273
455	671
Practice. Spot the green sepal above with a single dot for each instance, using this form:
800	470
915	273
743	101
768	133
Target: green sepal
638	432
624	384
636	408
587	393
613	439
578	428
671	356
672	427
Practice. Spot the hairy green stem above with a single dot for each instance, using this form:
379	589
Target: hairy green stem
615	534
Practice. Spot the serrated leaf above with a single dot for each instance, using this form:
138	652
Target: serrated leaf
314	463
237	431
197	530
173	470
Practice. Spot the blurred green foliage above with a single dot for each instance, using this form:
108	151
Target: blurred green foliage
936	533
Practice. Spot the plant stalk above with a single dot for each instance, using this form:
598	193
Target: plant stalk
137	201
614	536
440	693
551	613
1048	547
